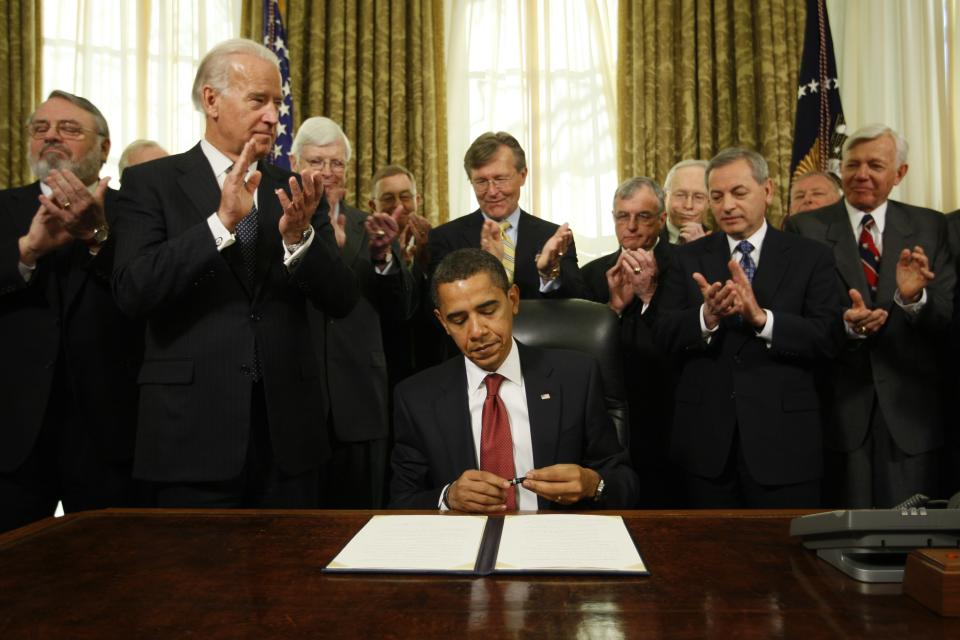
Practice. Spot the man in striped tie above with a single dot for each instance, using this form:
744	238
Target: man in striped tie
882	396
539	256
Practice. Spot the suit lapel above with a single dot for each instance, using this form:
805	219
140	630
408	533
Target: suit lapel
355	234
269	244
840	235
452	417
544	400
715	258
198	182
774	260
898	234
471	231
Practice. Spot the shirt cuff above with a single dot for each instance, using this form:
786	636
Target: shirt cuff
292	258
914	308
546	286
221	235
706	334
388	267
26	272
766	332
442	504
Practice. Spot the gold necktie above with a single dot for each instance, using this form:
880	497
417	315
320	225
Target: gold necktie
509	250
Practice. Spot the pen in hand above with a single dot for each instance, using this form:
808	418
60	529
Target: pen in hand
516	481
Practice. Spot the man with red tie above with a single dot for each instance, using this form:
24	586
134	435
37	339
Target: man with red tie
881	397
508	426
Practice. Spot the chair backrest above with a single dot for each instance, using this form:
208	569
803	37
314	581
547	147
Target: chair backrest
585	326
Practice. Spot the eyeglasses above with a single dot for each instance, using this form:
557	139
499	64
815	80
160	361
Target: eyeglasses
480	185
683	196
335	165
389	199
623	217
65	129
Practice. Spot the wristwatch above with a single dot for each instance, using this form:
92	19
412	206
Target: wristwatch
100	235
304	236
599	494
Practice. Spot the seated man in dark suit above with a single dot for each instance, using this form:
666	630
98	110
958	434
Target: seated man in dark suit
539	257
626	280
465	428
351	349
750	311
68	380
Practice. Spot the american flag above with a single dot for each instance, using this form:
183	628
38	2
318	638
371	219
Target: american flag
275	39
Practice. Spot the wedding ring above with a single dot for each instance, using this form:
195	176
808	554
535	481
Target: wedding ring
862	330
638	269
381	233
66	205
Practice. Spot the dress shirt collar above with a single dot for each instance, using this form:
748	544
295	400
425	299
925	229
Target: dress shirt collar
510	369
673	232
756	240
879	216
220	163
513	218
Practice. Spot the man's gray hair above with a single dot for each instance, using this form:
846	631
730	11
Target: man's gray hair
319	131
214	69
101	123
874	131
388	172
683	164
631	185
132	148
758	164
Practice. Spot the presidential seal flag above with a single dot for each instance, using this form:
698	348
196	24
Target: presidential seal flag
275	39
819	131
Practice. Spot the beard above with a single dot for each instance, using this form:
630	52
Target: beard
87	168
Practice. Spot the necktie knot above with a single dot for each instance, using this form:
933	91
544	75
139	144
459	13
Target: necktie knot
867	222
745	248
493	382
504	226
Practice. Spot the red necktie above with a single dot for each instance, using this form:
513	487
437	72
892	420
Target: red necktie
496	445
869	254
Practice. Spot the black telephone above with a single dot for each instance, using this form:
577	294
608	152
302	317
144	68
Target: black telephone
871	545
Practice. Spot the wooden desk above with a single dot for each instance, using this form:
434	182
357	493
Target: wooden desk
235	574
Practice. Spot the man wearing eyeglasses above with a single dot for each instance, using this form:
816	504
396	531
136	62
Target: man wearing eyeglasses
626	280
67	386
539	256
686	190
351	348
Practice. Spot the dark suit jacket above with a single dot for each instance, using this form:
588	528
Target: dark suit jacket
899	364
65	316
649	373
205	323
352	347
434	441
532	234
735	383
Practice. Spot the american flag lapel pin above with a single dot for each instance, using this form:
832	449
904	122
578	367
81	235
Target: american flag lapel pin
544	396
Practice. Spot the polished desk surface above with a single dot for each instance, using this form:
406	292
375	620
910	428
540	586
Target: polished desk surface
257	574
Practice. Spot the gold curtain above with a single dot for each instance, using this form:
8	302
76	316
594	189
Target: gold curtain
696	76
376	68
21	42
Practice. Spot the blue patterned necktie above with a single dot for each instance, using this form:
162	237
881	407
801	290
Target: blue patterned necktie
749	266
247	239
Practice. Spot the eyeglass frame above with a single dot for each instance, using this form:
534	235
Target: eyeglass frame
683	196
482	185
58	128
622	217
335	165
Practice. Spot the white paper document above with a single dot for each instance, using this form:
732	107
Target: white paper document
414	543
567	542
549	543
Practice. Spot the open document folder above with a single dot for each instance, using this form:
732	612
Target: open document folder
481	545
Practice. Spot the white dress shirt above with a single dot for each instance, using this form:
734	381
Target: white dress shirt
546	285
513	394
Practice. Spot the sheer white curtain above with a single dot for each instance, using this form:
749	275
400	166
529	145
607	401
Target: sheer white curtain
899	64
136	62
545	71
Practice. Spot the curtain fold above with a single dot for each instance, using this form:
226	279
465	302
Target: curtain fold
696	76
376	68
20	43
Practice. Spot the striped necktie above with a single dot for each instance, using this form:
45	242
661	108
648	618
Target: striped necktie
509	250
869	253
496	442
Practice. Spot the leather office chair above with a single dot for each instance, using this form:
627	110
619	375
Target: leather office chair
585	326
